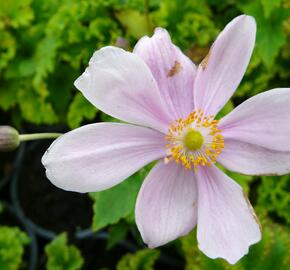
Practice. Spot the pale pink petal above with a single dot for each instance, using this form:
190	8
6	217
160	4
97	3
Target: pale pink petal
220	73
98	156
166	204
227	224
262	120
172	70
256	135
120	84
252	159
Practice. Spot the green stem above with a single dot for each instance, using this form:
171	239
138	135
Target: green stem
38	136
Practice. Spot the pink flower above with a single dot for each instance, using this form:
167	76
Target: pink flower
171	105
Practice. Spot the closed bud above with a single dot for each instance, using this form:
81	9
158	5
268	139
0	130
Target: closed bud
9	138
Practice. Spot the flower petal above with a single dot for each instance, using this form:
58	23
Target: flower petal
227	224
262	120
166	204
173	71
252	159
120	84
98	156
220	73
256	135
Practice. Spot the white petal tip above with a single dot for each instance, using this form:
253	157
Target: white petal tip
160	30
230	258
248	20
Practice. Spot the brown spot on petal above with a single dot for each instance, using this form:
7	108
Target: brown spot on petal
204	62
177	67
252	210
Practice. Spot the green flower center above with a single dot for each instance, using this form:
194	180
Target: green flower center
193	140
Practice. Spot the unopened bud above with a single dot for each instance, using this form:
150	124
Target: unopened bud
9	138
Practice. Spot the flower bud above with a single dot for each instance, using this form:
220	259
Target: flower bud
9	138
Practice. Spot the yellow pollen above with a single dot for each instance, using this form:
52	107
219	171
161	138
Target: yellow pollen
195	140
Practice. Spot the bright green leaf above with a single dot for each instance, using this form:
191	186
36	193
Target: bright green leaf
61	256
270	34
134	22
274	195
79	110
141	260
117	202
270	253
7	48
34	108
12	242
269	6
16	13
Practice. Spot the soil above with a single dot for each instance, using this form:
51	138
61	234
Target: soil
45	204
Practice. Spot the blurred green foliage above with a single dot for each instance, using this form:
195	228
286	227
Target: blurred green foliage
274	195
12	244
61	256
46	44
270	253
141	260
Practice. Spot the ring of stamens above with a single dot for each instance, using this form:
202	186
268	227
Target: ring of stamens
194	141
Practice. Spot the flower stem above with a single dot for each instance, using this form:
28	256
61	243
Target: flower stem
38	136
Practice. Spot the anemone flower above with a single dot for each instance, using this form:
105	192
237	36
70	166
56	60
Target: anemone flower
171	106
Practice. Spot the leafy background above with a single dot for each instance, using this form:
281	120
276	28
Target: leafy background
46	44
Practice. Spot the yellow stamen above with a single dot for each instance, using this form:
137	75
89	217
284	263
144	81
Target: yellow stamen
195	140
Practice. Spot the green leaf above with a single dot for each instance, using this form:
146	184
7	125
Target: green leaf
117	233
44	59
34	108
7	48
134	22
16	13
269	6
226	109
141	260
270	34
270	253
12	242
8	95
120	200
61	256
274	195
197	28
107	118
45	46
79	110
194	257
